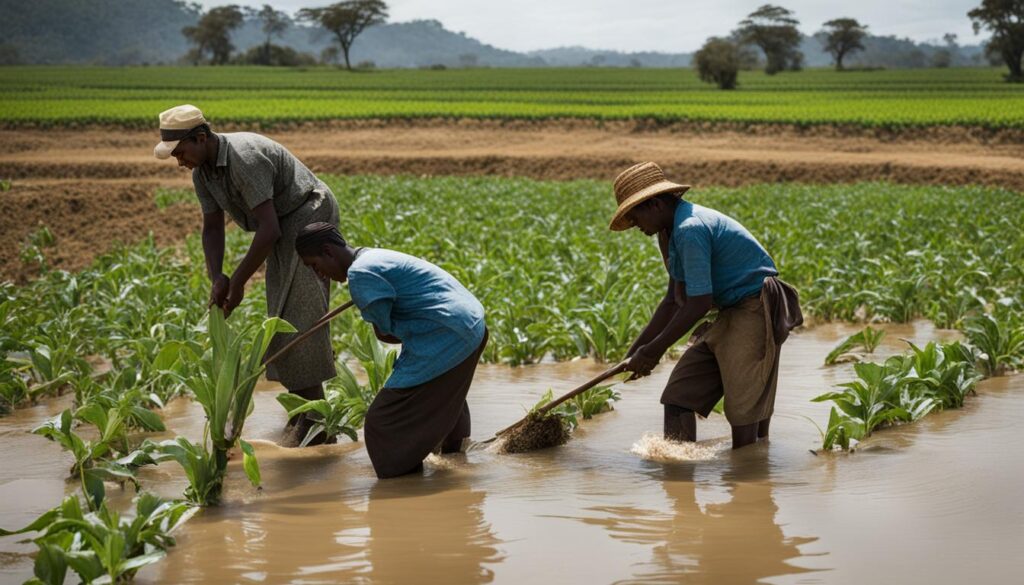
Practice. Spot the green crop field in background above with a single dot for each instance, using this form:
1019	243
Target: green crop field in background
254	95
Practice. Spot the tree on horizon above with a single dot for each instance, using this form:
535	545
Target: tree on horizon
213	34
773	29
347	20
842	37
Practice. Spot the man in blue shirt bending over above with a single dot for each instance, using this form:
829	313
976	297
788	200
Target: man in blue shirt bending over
440	325
712	262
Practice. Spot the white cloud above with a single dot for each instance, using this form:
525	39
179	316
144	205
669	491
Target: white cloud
657	25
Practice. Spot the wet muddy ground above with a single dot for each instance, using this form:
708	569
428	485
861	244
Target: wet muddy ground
933	502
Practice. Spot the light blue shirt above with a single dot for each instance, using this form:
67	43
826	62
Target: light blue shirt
439	322
713	254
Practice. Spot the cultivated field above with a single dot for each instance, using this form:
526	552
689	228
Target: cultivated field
884	99
890	199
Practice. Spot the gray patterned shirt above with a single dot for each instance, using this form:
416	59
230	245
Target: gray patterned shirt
249	170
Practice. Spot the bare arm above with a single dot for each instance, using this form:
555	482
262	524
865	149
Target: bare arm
267	234
648	356
666	309
684	320
213	250
213	243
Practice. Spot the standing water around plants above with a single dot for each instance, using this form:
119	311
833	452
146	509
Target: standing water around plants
484	517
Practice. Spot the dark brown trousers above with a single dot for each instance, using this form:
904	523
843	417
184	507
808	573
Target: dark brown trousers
404	425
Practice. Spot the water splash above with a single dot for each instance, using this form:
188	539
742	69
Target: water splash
655	447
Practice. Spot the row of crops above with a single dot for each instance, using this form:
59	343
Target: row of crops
133	96
556	284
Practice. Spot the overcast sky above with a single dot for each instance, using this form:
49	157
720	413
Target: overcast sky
655	25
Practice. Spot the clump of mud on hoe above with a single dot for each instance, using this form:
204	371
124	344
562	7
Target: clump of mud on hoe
538	431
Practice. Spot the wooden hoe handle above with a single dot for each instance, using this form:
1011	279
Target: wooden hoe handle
616	369
313	329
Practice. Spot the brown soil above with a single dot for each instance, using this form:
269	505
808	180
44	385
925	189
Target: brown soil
94	186
536	432
86	218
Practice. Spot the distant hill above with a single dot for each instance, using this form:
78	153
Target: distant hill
133	32
582	56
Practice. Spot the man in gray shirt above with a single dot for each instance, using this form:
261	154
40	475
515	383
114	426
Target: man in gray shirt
266	190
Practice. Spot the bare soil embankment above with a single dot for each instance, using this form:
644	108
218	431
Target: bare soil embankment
93	187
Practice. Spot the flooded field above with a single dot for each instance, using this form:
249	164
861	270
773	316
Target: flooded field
938	501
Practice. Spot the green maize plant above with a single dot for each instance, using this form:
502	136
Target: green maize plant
204	471
99	545
222	382
343	409
165	198
595	401
13	390
866	339
946	373
375	358
32	250
870	401
1001	344
903	389
94	463
335	414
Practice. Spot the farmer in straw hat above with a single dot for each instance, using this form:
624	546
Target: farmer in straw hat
712	261
265	190
440	324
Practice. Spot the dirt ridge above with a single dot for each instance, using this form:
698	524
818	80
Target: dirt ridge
95	187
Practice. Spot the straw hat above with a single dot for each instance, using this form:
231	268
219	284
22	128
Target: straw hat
637	184
175	124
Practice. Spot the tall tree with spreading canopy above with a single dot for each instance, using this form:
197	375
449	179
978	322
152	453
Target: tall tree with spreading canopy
843	36
347	20
773	29
1005	19
718	62
213	33
274	24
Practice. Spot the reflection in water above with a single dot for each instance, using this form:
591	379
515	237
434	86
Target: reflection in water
429	530
731	541
339	530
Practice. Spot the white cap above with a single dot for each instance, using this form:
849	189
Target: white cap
175	124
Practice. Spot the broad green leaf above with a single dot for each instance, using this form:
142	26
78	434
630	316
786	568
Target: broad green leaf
39	523
249	463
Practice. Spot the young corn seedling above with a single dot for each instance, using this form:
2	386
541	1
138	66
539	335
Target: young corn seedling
94	463
594	401
1001	344
100	546
346	401
222	382
868	402
944	374
867	339
333	414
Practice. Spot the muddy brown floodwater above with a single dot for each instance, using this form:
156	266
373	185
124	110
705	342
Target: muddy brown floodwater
935	502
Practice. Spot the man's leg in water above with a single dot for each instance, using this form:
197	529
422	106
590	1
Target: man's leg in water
744	435
680	423
762	428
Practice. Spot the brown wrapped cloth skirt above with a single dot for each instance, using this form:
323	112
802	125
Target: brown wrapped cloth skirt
404	425
738	357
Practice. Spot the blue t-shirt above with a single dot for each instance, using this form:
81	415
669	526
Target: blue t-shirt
713	254
439	322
